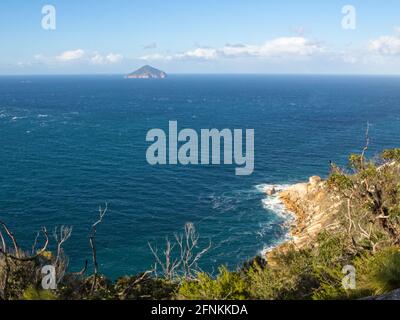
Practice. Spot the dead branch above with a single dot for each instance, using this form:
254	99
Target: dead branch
30	258
102	213
188	253
168	267
366	144
61	237
3	242
11	235
35	242
125	292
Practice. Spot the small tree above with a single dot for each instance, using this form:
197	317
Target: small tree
180	258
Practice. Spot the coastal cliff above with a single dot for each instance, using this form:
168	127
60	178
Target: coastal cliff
314	208
351	220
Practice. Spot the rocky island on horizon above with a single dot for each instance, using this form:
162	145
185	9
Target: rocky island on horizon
146	72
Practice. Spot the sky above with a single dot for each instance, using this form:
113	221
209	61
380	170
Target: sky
200	36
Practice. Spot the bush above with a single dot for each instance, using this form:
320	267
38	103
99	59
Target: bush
290	277
339	181
144	288
19	275
391	155
356	161
379	273
33	293
226	286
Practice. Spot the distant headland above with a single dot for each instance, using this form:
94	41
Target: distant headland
147	72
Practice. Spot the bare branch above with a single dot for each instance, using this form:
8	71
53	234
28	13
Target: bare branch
11	235
35	243
102	213
366	144
40	252
61	238
184	262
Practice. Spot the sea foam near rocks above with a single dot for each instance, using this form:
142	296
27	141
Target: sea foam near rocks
274	203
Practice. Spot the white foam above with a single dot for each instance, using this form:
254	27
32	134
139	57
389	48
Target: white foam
278	187
16	118
267	249
274	204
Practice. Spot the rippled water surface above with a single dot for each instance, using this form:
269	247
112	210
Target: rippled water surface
71	143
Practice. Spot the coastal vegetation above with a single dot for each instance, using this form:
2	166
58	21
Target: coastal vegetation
363	233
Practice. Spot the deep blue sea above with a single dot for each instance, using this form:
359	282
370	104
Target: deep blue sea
71	143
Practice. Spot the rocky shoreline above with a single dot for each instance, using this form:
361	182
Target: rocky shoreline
314	209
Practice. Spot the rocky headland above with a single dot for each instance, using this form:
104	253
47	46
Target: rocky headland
314	209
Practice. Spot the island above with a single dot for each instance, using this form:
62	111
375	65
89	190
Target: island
147	72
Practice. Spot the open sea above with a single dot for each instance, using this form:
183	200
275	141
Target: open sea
72	143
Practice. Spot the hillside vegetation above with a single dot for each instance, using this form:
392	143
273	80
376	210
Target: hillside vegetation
365	238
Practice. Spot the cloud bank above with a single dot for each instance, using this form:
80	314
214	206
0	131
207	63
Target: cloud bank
282	54
279	47
80	55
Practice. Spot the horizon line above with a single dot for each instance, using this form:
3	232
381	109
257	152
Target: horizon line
207	74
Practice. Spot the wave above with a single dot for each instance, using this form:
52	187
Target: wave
15	118
274	204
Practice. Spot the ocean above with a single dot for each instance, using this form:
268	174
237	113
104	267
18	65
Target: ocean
72	143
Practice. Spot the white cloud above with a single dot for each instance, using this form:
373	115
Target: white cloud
80	55
291	46
199	53
38	56
156	56
111	58
114	57
280	47
385	45
97	59
71	55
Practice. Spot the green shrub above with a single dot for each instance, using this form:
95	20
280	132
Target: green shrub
379	273
391	155
356	161
331	249
339	181
290	277
32	293
226	286
19	274
144	288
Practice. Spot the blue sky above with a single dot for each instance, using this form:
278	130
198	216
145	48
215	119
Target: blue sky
203	36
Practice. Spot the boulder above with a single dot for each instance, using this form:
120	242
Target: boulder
314	181
394	295
271	191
